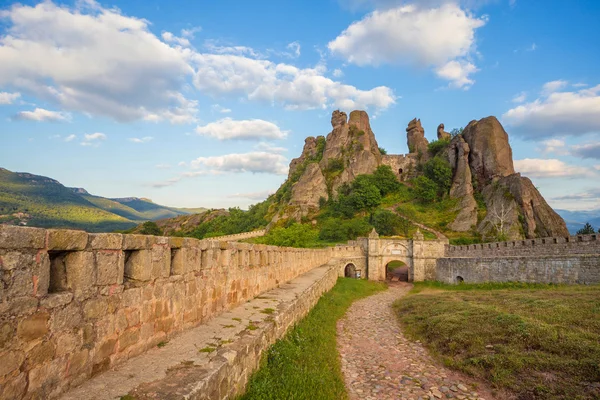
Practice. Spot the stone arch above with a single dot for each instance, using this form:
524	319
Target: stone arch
396	250
396	270
350	271
459	279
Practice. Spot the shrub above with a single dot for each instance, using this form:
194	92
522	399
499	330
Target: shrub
385	180
150	228
425	189
586	230
385	222
439	171
437	145
382	151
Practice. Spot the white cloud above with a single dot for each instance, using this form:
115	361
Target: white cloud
43	115
554	86
253	195
170	38
457	72
220	109
560	113
255	162
580	85
442	37
549	168
295	88
263	146
144	139
295	48
8	98
520	97
190	33
587	150
93	139
533	47
253	129
338	73
70	138
554	146
94	60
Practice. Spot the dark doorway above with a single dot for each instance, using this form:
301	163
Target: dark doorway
396	271
459	279
400	171
350	271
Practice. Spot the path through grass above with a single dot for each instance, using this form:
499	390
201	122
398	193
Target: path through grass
538	341
305	364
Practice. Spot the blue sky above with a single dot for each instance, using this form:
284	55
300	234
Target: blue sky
205	103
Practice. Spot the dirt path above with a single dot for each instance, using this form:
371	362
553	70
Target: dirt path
378	362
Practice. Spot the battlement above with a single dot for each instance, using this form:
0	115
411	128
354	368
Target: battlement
569	245
240	236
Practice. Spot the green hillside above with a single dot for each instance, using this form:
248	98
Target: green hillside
32	200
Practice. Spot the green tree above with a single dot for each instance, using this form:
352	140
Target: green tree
296	235
440	172
385	180
385	222
365	195
586	230
382	151
437	145
150	228
425	189
456	131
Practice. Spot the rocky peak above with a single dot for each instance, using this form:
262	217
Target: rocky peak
308	152
442	134
490	157
415	135
338	118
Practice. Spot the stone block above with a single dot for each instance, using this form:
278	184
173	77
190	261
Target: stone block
56	300
66	343
7	332
62	239
11	361
95	308
41	275
132	297
110	267
161	261
105	241
81	273
104	350
40	354
136	242
20	283
33	327
13	259
17	237
176	242
69	317
15	388
21	305
138	266
51	371
78	362
178	266
129	338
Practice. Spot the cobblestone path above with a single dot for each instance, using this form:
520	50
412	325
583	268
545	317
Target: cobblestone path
378	362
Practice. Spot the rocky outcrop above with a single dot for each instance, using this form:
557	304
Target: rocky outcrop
442	134
310	188
490	154
415	135
462	188
308	152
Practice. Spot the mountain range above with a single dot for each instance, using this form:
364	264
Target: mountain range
33	200
575	220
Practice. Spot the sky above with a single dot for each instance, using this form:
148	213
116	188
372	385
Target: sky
205	103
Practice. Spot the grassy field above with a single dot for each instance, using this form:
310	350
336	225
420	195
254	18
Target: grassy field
305	363
537	341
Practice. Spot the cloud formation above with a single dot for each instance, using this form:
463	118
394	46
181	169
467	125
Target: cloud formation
442	37
550	168
255	162
144	139
93	139
252	129
586	150
8	98
572	113
43	115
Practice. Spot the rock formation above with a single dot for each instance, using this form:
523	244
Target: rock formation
415	135
442	134
481	163
462	188
490	156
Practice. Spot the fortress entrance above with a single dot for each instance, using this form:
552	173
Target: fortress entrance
396	270
350	271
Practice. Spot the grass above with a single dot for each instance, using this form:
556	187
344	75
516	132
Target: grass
304	364
537	341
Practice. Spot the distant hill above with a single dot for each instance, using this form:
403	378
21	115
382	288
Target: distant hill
576	219
33	200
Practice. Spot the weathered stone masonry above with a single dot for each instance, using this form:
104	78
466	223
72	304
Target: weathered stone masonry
74	304
571	259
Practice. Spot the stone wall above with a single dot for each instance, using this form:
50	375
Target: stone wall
75	304
403	165
583	269
240	236
572	259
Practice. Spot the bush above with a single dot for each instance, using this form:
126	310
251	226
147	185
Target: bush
385	180
296	235
425	189
440	172
382	151
150	228
437	145
336	230
586	230
385	222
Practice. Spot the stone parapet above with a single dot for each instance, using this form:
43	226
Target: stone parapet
75	304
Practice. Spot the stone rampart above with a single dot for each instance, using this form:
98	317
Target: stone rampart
571	260
240	236
75	304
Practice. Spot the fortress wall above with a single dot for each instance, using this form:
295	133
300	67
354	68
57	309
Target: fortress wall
582	269
572	259
75	304
240	236
581	244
